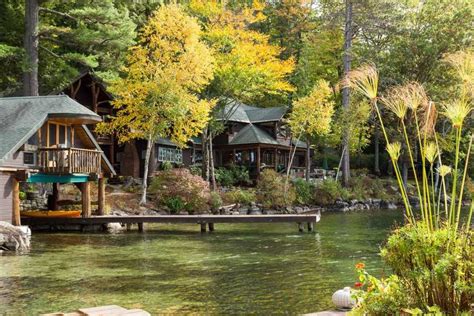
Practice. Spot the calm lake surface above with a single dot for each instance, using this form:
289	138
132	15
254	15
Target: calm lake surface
173	269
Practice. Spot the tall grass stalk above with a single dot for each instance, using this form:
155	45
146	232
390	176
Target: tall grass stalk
402	101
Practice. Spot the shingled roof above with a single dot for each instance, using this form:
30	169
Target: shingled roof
21	117
251	134
243	113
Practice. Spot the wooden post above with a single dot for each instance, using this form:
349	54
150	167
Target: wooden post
276	159
301	227
211	227
203	227
258	160
140	227
16	219
129	227
54	204
86	199
310	226
101	196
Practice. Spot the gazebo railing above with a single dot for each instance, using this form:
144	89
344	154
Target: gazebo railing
69	160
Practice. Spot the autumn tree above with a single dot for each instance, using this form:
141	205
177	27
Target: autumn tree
311	116
248	68
158	96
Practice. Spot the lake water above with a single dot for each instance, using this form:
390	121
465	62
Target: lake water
238	269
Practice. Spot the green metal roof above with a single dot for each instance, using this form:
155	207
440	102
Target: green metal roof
251	134
240	112
21	117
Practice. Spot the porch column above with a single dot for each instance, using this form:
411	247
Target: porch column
55	198
101	196
16	219
86	199
308	160
276	159
258	160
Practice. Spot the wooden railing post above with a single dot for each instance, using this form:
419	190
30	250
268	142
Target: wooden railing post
16	219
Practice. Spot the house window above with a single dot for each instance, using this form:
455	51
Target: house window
29	158
59	135
170	154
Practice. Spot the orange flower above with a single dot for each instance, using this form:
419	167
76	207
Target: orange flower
360	266
358	285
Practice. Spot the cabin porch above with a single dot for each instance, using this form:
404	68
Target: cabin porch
260	156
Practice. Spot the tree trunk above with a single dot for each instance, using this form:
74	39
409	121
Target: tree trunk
308	160
405	172
345	91
205	155
149	145
377	150
290	164
30	76
211	164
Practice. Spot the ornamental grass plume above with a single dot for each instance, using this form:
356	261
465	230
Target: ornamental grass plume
463	63
429	116
444	170
430	152
457	111
395	101
365	80
415	96
394	150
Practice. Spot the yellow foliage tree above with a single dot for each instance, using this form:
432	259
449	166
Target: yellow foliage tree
311	116
158	95
248	68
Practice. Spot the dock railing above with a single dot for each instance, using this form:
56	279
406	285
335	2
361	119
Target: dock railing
69	160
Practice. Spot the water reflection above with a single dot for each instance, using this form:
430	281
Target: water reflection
239	269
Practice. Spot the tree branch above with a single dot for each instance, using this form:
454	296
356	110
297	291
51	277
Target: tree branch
58	13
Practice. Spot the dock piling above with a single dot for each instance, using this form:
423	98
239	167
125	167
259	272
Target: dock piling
310	226
211	227
203	227
301	227
140	227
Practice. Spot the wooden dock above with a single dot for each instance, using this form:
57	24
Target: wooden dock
109	310
202	220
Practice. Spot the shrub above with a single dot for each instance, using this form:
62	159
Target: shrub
22	195
192	190
174	203
327	191
271	190
304	191
378	297
240	196
232	175
195	170
166	165
433	271
215	201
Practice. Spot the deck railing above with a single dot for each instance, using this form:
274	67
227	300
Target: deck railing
69	160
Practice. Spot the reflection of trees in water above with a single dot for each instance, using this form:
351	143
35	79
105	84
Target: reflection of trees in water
238	269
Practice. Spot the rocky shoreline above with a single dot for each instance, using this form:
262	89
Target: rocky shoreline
258	209
14	238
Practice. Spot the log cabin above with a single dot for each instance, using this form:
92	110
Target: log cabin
257	138
45	139
254	137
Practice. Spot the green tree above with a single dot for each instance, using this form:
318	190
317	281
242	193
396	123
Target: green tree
158	95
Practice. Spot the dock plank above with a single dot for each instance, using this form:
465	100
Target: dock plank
186	219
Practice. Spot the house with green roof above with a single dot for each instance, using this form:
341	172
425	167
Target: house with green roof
257	138
45	139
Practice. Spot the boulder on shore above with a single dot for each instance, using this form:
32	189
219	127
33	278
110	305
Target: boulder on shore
14	238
